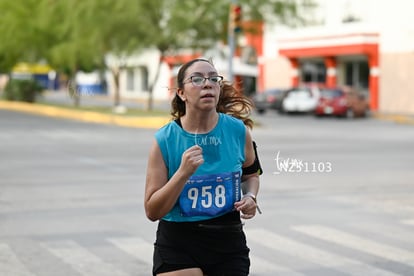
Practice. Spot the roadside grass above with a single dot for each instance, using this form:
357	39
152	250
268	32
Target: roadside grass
109	110
129	112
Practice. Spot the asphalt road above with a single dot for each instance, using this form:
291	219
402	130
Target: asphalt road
337	198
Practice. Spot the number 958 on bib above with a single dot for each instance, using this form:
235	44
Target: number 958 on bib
210	195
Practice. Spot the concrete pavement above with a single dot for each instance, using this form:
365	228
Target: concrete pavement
71	198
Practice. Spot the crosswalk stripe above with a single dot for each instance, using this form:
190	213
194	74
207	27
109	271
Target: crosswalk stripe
408	221
351	241
312	254
259	266
142	250
10	264
390	231
136	247
81	260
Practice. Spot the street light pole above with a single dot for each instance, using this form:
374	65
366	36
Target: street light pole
235	27
230	39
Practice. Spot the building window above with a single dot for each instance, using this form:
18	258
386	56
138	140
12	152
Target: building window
357	74
137	79
249	55
313	71
249	85
144	78
130	76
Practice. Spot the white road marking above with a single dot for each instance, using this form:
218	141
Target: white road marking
312	254
81	260
10	264
391	231
143	251
408	221
137	247
351	241
260	266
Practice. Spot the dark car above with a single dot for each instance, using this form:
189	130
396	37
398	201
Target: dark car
269	99
342	102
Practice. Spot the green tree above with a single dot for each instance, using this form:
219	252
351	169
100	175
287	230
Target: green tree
70	35
92	29
23	32
120	35
77	34
73	45
171	25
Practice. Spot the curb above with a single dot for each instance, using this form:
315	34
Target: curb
154	122
86	116
397	118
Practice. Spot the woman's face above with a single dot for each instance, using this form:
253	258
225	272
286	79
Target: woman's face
201	93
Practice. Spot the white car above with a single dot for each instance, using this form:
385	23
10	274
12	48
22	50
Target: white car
301	99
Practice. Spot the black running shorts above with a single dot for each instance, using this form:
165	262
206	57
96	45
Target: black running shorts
216	246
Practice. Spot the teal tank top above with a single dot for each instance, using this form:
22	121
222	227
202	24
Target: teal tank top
212	190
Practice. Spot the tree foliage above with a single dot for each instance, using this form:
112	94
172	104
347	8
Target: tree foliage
77	34
70	35
177	24
23	32
171	25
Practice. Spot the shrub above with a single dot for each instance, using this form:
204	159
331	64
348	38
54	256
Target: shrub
24	90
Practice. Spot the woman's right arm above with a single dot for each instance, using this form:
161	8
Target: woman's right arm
161	194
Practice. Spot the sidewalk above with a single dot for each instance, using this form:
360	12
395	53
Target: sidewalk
397	118
62	98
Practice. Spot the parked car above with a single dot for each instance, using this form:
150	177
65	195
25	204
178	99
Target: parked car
342	102
301	99
268	99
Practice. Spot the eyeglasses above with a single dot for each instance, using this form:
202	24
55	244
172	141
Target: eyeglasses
199	80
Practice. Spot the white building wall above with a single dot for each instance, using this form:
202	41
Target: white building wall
392	19
148	59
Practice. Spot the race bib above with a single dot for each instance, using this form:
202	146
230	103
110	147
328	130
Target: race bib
210	195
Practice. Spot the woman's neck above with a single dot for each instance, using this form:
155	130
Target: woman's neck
199	122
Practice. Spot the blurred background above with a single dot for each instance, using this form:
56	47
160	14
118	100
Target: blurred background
132	49
337	193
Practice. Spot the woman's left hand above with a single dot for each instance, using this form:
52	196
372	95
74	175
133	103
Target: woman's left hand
247	207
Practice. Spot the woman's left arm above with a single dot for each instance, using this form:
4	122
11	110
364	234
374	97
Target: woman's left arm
248	204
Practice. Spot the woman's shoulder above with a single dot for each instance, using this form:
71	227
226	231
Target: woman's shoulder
231	120
167	129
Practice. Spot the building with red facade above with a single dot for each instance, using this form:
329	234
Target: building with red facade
355	44
349	43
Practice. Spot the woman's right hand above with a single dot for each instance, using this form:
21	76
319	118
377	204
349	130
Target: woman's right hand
192	158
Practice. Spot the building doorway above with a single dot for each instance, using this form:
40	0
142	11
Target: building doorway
357	74
313	72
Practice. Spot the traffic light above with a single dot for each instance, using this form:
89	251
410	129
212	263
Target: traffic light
236	18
